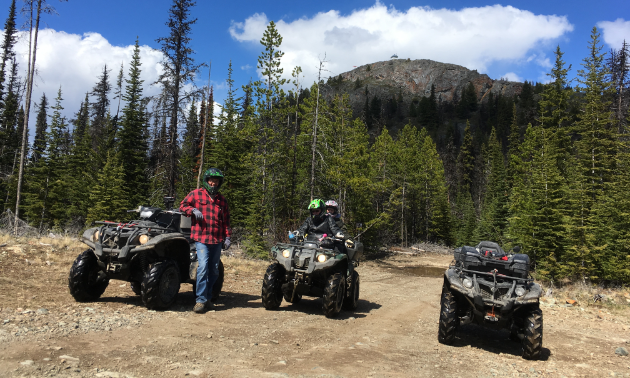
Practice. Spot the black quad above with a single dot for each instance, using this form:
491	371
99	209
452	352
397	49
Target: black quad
154	253
489	287
314	267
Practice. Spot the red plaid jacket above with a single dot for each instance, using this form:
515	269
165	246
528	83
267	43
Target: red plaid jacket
215	225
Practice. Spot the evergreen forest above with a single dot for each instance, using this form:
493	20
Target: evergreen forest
548	170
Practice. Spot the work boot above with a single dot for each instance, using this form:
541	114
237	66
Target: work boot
199	307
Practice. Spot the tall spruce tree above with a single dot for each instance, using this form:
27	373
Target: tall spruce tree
99	108
41	125
190	150
132	147
596	147
109	196
494	209
465	213
7	47
267	133
82	120
179	69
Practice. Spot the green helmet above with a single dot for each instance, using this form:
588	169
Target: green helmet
317	204
212	172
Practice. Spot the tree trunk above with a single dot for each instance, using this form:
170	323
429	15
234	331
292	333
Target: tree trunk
205	125
402	217
29	90
314	145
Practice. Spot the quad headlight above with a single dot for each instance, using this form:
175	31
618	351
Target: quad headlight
286	253
143	239
468	283
322	258
520	291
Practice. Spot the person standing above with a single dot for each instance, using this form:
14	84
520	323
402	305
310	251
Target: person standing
210	230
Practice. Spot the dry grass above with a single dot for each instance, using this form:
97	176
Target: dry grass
34	271
589	295
237	265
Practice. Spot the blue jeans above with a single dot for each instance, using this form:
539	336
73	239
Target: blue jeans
208	256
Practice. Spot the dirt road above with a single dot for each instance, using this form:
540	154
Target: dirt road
393	333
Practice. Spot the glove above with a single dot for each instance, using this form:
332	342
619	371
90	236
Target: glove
198	215
227	243
349	243
292	235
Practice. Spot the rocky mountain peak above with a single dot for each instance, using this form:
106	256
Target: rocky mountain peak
413	78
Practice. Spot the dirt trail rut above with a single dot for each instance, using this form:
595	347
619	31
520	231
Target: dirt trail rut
393	333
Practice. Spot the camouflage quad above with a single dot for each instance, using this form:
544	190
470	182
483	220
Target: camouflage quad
488	287
153	253
315	268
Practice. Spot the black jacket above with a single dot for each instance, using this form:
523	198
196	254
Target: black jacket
327	226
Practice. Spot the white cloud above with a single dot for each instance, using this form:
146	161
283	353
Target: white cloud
511	76
246	67
75	62
540	59
471	37
615	32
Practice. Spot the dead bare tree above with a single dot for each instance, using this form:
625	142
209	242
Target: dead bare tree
41	7
205	126
314	144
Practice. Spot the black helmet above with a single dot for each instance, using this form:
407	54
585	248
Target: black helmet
212	172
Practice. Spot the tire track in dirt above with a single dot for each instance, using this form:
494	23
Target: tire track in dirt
393	333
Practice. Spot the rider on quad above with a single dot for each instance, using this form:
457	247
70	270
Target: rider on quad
332	211
318	223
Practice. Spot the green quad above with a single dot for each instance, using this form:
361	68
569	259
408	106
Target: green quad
154	253
491	288
316	268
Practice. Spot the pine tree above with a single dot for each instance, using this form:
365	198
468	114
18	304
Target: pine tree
228	152
133	148
9	138
438	224
596	149
465	214
109	196
190	152
383	155
10	135
537	216
41	125
7	55
80	175
270	136
494	209
619	68
82	120
99	110
179	69
466	161
56	160
46	188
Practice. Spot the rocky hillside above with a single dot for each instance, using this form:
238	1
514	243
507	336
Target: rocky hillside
413	79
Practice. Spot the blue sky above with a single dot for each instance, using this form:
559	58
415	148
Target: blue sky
515	39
